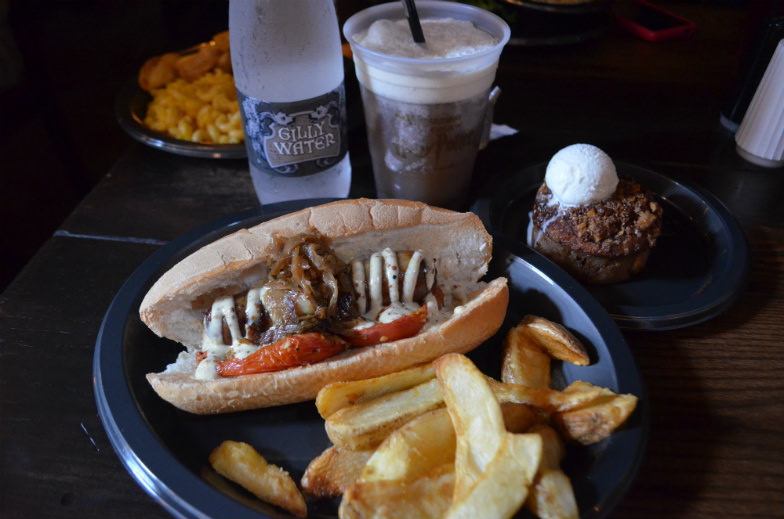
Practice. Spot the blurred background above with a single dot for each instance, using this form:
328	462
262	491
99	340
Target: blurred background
63	62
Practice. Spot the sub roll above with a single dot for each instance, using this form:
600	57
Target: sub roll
347	290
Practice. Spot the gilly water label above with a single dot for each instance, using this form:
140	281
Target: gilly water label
296	138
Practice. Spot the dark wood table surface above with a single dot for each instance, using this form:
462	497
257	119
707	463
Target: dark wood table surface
716	446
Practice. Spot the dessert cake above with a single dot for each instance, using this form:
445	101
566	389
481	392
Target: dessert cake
608	238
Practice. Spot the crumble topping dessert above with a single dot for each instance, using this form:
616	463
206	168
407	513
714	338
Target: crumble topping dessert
605	230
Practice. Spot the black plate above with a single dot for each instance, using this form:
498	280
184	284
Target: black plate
695	272
130	109
166	450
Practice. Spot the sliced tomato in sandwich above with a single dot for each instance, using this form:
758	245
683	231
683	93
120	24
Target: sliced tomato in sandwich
292	351
401	328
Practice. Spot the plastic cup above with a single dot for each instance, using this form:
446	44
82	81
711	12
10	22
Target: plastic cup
426	118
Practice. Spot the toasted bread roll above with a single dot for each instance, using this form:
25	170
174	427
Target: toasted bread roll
472	311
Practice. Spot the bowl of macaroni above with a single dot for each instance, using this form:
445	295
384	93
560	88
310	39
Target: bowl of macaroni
185	103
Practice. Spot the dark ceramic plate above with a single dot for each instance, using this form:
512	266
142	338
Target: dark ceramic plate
695	272
166	450
130	109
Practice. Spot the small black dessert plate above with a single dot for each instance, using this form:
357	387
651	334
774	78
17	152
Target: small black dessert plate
695	272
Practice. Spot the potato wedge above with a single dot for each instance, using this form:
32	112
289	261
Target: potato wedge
553	447
428	496
597	419
419	446
555	339
476	417
241	463
336	468
503	487
365	425
493	468
543	399
428	441
524	362
552	496
338	395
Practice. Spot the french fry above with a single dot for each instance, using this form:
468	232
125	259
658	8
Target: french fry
524	362
365	425
476	417
428	441
337	395
503	487
427	496
336	468
445	440
419	446
240	463
544	399
552	496
493	468
555	339
596	419
553	447
464	444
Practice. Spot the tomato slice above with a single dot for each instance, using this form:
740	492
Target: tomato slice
309	348
401	328
296	350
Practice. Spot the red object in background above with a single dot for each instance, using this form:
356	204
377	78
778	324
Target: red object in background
651	22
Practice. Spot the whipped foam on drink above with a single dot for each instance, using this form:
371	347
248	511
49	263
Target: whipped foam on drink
456	63
445	37
581	174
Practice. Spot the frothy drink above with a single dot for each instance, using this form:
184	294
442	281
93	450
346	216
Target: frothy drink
426	106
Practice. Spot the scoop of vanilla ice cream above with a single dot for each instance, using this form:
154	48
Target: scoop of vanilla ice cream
581	174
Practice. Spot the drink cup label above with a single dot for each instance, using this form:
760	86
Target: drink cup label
296	138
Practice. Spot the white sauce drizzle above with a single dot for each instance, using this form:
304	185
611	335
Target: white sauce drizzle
223	308
375	291
430	274
360	284
534	240
410	277
382	268
212	337
392	272
253	307
389	273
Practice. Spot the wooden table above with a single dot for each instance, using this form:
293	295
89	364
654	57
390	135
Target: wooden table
716	446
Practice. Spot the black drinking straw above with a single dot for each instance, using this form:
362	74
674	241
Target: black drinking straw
413	21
